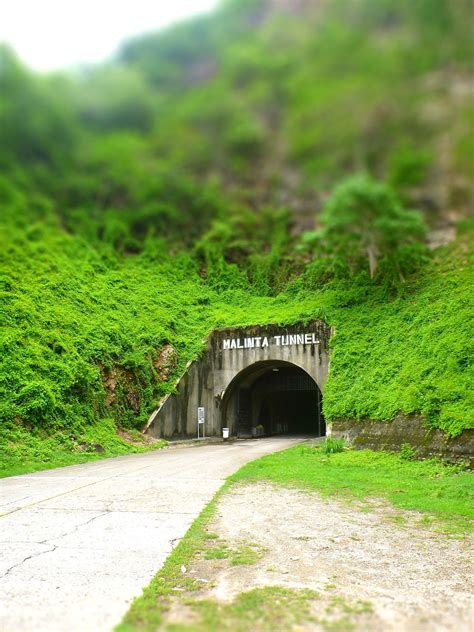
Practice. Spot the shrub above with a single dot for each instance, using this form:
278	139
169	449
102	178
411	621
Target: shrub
407	452
332	445
366	227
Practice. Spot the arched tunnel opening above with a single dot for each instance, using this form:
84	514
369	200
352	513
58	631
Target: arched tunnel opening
272	398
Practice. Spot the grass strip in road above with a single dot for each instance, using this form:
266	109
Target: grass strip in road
441	492
264	609
146	612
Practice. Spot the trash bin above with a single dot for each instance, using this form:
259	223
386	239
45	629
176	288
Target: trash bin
225	433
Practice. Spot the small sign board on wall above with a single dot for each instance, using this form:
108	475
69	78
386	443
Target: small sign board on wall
200	422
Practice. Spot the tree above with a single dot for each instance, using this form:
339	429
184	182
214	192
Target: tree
364	222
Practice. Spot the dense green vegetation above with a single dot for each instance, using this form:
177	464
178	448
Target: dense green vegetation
204	178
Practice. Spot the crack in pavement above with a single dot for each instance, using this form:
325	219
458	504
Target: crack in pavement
70	491
55	546
29	557
15	500
75	529
125	511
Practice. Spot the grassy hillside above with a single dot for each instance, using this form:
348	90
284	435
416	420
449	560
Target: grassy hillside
178	189
74	315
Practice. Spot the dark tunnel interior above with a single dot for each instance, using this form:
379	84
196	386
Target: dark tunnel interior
281	399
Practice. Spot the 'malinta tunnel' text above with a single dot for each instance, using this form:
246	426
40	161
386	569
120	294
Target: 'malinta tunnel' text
267	341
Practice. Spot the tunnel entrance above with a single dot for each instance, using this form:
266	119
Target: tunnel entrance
273	398
261	379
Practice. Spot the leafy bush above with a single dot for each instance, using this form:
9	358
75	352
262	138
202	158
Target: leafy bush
407	452
364	224
332	445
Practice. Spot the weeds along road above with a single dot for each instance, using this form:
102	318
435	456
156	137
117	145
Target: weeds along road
80	542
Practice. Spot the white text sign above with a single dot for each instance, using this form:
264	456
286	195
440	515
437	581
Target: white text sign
267	341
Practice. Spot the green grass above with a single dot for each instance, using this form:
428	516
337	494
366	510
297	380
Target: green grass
443	492
218	552
273	608
245	553
55	458
62	458
146	612
25	450
263	609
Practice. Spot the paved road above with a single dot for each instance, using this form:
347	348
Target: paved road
79	543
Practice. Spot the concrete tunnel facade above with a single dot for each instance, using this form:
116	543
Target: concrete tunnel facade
253	380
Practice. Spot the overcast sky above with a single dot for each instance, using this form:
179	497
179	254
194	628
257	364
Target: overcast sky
52	34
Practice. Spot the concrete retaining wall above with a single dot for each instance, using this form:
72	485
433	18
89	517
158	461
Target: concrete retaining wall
390	435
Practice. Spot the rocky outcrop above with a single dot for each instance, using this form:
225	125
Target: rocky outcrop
165	362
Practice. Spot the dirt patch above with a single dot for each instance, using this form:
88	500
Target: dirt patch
136	439
370	567
165	362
